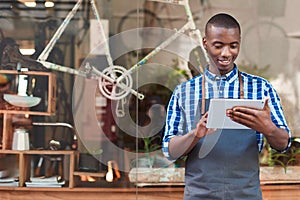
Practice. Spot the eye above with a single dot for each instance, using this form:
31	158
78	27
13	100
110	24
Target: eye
234	46
218	46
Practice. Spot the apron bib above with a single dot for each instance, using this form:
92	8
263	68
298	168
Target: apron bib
229	171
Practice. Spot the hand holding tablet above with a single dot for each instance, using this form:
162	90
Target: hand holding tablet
217	112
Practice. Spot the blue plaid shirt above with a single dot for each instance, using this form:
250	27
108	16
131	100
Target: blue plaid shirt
184	102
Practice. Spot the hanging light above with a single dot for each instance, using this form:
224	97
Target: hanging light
49	4
28	3
26	47
27	52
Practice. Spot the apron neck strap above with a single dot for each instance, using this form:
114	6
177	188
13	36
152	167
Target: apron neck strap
241	85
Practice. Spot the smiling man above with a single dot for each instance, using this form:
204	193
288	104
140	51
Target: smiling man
230	170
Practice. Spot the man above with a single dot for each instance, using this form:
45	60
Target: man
230	170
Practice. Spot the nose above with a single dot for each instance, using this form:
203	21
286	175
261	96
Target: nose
225	51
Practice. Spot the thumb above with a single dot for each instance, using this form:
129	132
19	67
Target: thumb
266	106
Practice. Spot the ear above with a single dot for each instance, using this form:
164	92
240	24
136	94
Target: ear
204	42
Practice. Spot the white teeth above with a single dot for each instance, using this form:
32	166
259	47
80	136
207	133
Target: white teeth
224	61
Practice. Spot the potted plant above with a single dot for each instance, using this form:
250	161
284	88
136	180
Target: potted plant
152	168
281	167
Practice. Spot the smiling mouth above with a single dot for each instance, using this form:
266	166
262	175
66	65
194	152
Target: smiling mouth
224	62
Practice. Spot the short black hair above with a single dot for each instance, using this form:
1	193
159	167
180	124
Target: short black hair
223	20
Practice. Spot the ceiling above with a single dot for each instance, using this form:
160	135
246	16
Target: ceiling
15	15
16	9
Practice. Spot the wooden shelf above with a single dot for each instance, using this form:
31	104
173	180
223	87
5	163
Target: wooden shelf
24	158
50	104
94	174
51	98
39	152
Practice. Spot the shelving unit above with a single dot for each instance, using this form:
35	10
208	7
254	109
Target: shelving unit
7	114
24	165
24	158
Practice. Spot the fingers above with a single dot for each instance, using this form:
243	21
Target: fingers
205	115
251	117
242	112
211	130
203	118
243	115
201	129
248	112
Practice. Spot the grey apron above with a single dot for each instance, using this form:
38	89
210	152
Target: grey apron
230	171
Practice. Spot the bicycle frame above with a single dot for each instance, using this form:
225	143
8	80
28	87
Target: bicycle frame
190	25
45	53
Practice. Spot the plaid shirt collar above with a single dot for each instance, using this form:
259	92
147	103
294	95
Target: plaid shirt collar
230	76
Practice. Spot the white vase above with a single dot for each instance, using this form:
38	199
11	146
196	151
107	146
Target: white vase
20	140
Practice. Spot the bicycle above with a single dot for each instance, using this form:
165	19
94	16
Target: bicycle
154	14
115	82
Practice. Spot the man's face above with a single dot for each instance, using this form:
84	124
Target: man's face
222	46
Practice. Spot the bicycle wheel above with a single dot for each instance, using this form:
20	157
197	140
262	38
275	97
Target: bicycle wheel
265	44
138	19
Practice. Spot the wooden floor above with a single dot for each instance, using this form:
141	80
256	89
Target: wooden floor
270	192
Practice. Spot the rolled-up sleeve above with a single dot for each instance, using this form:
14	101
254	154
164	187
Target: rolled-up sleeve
277	114
174	123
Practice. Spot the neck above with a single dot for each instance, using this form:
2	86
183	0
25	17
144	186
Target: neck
218	72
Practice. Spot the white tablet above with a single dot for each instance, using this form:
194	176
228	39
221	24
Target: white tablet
217	112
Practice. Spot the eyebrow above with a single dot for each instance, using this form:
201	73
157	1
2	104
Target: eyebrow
218	42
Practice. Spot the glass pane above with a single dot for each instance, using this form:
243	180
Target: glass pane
99	79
